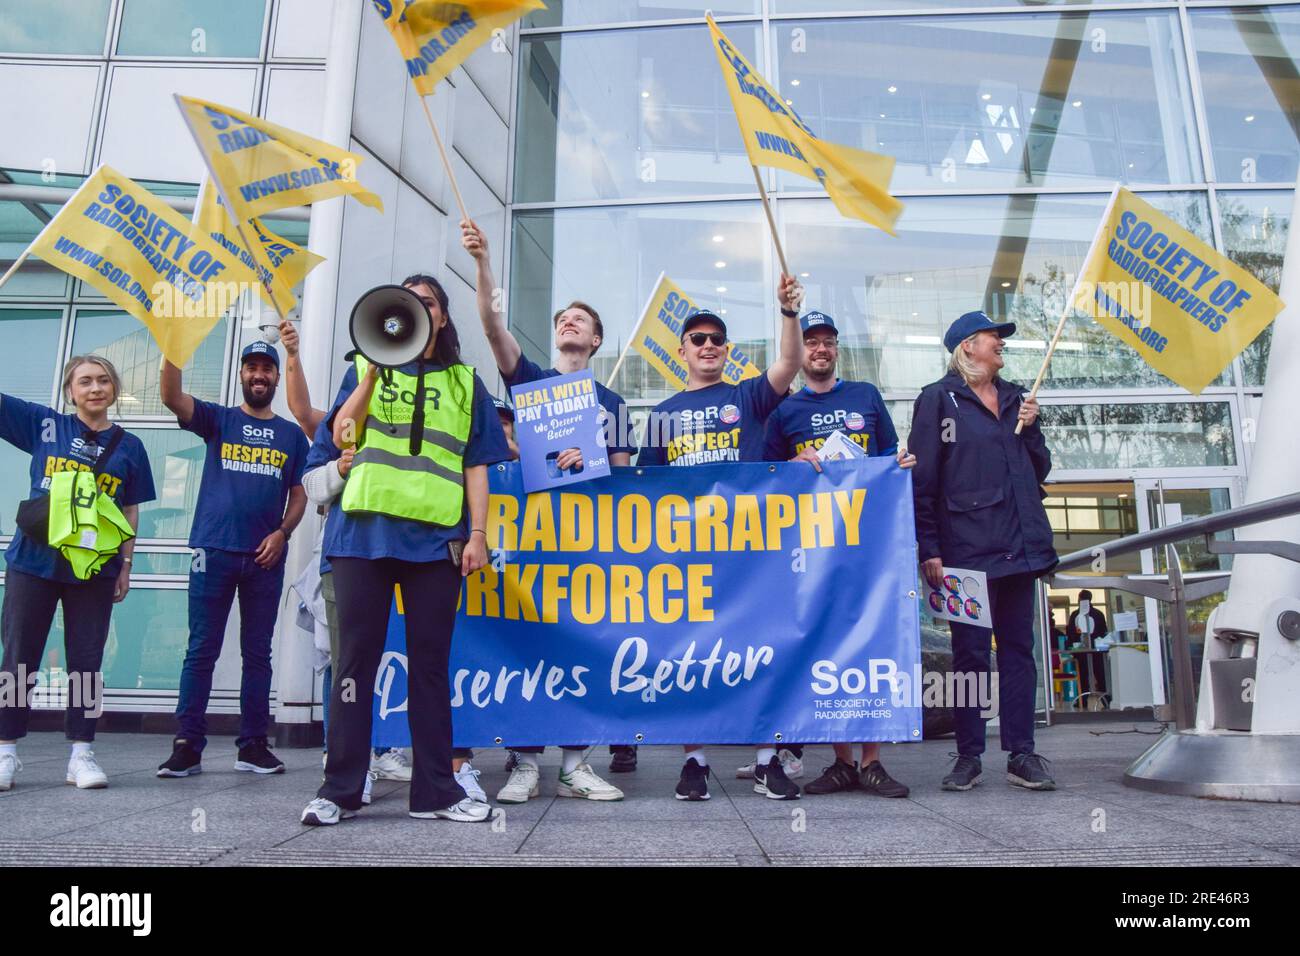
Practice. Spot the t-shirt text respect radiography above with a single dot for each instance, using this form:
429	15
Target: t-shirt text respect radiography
718	423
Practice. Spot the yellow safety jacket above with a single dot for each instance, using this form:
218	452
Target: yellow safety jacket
386	477
86	526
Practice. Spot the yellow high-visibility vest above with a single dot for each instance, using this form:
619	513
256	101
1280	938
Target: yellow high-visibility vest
86	526
386	478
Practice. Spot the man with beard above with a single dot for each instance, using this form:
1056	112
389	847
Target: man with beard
241	529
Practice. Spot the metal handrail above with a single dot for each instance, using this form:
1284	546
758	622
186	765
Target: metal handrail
1255	513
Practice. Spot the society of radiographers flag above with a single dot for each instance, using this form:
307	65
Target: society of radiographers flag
260	167
434	37
142	254
1186	309
856	181
658	336
281	265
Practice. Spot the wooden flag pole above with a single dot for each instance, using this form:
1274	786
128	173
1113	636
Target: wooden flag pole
771	222
14	268
635	329
1069	302
446	163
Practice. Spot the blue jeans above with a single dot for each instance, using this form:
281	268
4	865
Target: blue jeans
212	592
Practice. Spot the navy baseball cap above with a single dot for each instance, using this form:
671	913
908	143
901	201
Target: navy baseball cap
973	322
260	348
817	320
503	408
699	318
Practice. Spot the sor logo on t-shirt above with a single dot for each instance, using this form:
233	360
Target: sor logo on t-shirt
258	435
79	448
730	414
854	422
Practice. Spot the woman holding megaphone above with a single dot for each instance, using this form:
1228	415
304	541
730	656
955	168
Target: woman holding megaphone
413	513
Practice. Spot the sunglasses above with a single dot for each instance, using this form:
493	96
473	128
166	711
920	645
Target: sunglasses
699	338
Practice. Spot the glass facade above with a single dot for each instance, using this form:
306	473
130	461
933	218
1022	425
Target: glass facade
105	71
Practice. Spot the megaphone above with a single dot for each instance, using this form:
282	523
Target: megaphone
390	326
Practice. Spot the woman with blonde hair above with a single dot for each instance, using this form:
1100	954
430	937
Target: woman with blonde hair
977	488
38	578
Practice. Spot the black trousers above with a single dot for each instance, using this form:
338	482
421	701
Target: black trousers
363	589
25	621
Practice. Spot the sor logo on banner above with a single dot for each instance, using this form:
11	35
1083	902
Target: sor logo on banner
730	414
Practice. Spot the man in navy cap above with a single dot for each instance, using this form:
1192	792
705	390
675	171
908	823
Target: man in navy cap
800	426
506	414
250	500
715	421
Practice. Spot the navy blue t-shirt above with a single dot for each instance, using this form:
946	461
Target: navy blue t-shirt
126	478
806	418
251	464
382	536
612	402
721	422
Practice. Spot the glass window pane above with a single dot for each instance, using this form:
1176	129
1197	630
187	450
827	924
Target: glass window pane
147	637
196	28
161	562
33	334
1247	62
628	113
1143	435
567	13
130	346
19	224
893	297
853	6
176	458
52	128
611	257
1255	226
53	26
1033	100
15	484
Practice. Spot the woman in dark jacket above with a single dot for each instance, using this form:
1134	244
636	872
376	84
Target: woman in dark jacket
978	494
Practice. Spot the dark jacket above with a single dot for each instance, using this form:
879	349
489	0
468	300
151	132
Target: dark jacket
978	485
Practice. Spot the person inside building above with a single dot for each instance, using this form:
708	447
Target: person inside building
413	512
1083	628
250	500
386	763
678	440
977	488
578	336
796	430
38	578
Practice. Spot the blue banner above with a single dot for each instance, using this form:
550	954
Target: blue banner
727	603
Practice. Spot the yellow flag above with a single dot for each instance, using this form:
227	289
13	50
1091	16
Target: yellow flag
281	265
658	336
856	181
134	248
1186	309
260	167
435	37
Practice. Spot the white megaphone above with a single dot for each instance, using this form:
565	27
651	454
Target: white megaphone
390	326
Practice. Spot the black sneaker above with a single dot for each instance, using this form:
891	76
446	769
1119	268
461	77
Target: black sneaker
876	779
623	759
965	773
694	782
1029	771
255	757
836	778
770	780
184	761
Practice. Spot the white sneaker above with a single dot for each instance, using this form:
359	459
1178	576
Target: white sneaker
9	765
791	764
325	813
586	785
521	786
467	811
467	777
393	765
365	791
85	773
